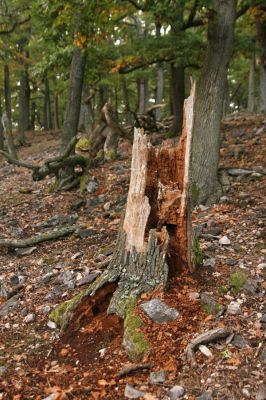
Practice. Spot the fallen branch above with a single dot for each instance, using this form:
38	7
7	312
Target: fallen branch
206	337
43	237
129	369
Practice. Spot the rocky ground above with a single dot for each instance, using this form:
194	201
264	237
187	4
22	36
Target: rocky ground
227	291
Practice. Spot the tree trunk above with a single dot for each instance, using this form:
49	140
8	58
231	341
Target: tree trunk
154	240
7	118
70	126
33	115
251	85
27	98
159	81
22	107
47	114
177	90
262	103
56	112
1	127
226	101
126	101
209	103
143	95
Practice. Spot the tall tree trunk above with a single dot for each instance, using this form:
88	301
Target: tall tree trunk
159	80
143	95
27	98
226	101
56	112
1	126
70	126
7	118
251	85
22	107
126	102
262	103
33	115
209	102
47	114
177	84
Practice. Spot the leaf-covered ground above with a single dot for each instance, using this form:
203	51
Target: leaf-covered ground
37	363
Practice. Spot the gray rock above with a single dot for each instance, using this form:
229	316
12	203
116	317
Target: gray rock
204	396
25	252
85	233
92	186
9	305
224	241
14	280
87	279
65	277
158	311
239	341
251	287
77	204
261	393
209	262
233	308
158	377
263	355
211	306
93	202
132	393
224	199
51	325
47	277
239	172
263	319
59	220
29	318
231	261
246	393
176	392
3	370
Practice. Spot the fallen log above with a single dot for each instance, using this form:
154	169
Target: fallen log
43	237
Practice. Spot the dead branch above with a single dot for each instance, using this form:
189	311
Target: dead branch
43	237
129	369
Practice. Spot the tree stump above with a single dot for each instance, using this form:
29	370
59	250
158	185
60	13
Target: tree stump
155	236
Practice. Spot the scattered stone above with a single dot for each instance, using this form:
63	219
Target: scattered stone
128	369
65	277
231	261
204	350
46	309
251	287
47	277
211	306
209	262
176	392
102	352
77	255
107	206
246	393
263	318
3	370
224	199
51	325
77	204
239	172
233	308
25	252
158	377
14	280
92	186
261	266
224	241
214	230
9	305
88	278
204	396
198	229
194	295
239	341
158	311
93	202
263	355
85	233
261	393
29	318
132	393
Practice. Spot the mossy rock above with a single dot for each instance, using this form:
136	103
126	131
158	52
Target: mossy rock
83	144
134	341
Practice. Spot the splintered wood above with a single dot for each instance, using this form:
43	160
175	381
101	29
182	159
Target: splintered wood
159	195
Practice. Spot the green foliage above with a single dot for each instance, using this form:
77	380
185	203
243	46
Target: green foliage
237	280
197	252
194	194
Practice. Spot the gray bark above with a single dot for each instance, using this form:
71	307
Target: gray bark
56	112
262	104
209	102
143	95
7	117
251	85
47	114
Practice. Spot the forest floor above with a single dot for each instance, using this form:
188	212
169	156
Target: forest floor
227	290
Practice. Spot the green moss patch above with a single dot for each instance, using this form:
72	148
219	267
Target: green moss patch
197	253
237	280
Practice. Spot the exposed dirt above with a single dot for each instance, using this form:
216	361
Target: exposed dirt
83	364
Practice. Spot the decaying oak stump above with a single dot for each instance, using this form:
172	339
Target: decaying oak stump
155	234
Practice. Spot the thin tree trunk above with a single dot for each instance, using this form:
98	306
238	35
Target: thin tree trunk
1	127
251	85
47	114
22	107
209	103
27	98
7	118
143	95
126	101
177	89
33	115
159	81
56	112
262	103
